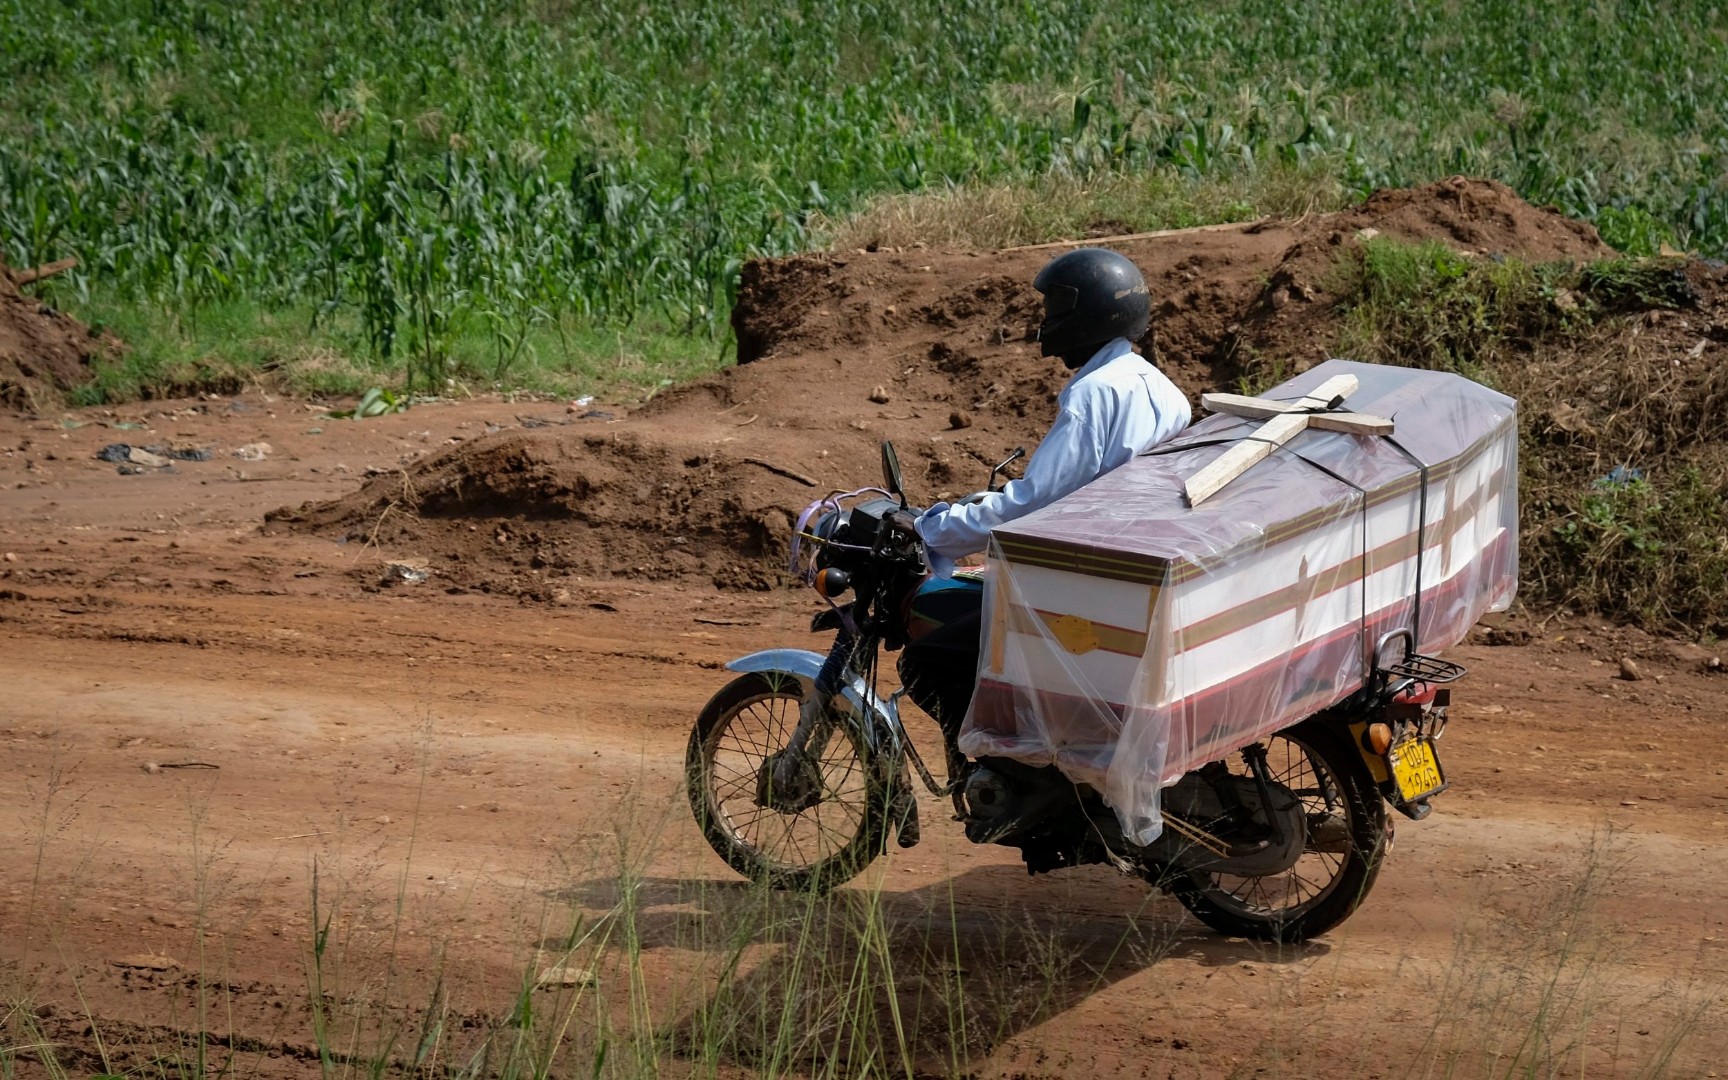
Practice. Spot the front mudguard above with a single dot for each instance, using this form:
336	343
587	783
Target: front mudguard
876	720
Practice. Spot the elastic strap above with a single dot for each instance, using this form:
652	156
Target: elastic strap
1421	540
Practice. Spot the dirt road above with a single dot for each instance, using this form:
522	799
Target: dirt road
224	749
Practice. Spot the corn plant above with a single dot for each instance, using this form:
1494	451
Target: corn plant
496	167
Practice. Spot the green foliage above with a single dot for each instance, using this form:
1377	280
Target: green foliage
374	402
1654	549
1632	284
1425	305
1634	230
1647	546
493	167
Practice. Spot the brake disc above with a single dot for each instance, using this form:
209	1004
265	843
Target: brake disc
800	792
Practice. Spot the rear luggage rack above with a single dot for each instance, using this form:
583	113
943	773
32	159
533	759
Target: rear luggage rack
1413	665
1428	669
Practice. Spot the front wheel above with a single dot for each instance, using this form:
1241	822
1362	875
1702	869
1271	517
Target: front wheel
817	842
1348	832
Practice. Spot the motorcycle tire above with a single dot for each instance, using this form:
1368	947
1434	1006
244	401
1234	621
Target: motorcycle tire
750	719
1351	833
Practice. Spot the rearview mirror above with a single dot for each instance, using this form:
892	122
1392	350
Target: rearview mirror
891	472
996	473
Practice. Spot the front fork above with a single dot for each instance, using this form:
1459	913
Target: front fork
791	780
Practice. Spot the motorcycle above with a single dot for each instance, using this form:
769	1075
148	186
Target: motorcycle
799	770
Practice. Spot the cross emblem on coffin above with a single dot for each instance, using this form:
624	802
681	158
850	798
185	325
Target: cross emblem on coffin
1284	421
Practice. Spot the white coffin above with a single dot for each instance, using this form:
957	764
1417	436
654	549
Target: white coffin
1130	638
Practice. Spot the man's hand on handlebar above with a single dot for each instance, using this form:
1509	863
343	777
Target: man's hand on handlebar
904	521
903	524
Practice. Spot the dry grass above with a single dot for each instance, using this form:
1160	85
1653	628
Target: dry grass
988	217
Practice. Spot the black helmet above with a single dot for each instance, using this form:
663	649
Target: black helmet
1091	296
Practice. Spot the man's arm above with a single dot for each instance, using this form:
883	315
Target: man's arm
1070	455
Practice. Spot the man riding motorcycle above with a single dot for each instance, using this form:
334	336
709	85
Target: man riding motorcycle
799	771
1115	406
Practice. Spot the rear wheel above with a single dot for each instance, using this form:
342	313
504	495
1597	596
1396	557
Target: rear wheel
1348	832
821	840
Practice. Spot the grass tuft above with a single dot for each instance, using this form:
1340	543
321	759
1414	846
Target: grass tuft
1426	305
989	216
239	345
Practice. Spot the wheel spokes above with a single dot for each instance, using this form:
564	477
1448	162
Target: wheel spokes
1315	872
743	745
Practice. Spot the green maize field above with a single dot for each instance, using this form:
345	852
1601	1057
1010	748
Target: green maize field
501	189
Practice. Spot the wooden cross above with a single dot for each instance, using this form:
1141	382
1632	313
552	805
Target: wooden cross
1284	421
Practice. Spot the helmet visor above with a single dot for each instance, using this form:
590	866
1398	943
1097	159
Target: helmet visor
1060	300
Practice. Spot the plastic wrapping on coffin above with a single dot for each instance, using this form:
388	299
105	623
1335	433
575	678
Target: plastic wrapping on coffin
1129	638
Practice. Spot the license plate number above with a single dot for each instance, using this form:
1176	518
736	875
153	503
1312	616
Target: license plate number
1415	768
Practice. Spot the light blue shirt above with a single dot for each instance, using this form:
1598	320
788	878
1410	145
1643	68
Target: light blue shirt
1114	407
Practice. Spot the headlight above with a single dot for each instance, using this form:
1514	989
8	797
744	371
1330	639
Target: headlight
830	526
810	552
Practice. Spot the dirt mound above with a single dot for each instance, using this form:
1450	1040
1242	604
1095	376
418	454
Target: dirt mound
1216	289
934	349
42	352
1625	466
515	511
1480	217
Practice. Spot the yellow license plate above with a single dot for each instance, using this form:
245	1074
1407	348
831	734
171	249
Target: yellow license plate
1415	768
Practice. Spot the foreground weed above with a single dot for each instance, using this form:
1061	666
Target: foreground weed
54	816
626	974
1524	993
